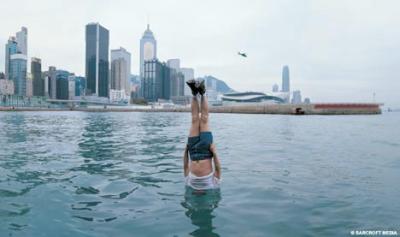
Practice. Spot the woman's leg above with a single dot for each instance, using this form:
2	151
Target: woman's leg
204	115
195	127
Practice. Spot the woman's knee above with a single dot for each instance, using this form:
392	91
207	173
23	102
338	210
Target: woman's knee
195	119
204	118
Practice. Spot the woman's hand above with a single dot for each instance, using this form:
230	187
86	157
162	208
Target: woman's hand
213	149
217	164
186	162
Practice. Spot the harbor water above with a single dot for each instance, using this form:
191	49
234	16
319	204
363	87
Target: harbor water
120	174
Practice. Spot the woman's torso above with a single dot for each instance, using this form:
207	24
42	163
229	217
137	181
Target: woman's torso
201	167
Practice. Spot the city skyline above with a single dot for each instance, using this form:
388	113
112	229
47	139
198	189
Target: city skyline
345	51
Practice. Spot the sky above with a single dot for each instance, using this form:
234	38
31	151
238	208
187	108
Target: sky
337	51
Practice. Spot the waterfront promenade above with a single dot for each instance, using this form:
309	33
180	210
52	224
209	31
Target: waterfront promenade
290	109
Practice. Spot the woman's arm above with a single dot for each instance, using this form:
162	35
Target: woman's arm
217	164
186	162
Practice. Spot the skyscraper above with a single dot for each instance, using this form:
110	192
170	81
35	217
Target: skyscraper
148	48
188	74
174	64
156	81
80	86
296	97
29	85
11	48
71	87
286	83
120	70
22	41
18	64
37	80
177	78
46	84
16	45
50	82
285	79
164	81
97	41
62	84
177	83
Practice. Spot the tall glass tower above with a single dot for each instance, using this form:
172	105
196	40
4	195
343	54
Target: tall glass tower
11	48
148	48
97	62
22	40
285	79
18	72
37	80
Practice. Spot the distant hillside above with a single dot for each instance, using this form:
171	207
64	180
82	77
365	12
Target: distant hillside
221	86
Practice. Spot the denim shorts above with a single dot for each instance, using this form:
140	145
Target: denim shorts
199	146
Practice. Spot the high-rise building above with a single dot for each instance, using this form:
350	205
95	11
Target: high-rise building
181	84
188	74
296	97
46	84
62	84
80	86
275	88
71	87
177	83
156	81
18	73
165	81
174	64
16	45
50	82
135	83
97	63
177	78
11	48
161	82
29	85
118	74
148	48
286	83
22	41
120	70
171	89
37	80
285	79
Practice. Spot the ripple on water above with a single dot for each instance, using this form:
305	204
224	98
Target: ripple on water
14	209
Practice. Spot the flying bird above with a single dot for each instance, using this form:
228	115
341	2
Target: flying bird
242	54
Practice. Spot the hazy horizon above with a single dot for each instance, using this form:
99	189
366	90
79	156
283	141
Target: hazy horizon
336	50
